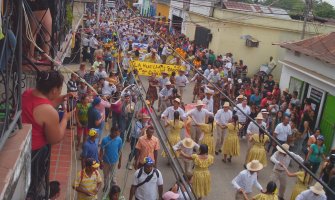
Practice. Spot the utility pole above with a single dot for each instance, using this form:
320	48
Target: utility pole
306	14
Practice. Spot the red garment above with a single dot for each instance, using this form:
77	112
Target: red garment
276	93
247	92
264	102
29	103
145	111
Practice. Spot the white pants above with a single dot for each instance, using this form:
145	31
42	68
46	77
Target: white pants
220	135
195	133
109	174
281	177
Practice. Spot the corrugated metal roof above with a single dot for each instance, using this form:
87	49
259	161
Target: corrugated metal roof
256	8
321	47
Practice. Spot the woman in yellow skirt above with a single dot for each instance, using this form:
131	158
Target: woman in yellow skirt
231	144
207	137
175	128
303	180
270	193
201	181
257	151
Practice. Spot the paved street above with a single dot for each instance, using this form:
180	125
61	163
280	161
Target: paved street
222	173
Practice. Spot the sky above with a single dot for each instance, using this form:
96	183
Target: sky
332	2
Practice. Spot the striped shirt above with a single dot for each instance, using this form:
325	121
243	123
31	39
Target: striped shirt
89	183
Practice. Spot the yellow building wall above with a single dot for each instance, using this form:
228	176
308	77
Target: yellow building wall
163	9
227	38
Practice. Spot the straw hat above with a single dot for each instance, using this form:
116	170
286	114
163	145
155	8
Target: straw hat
208	91
317	188
145	116
188	143
200	103
226	104
240	96
286	90
259	116
177	100
168	83
264	111
284	146
254	166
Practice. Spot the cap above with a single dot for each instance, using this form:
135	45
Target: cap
96	101
90	162
92	132
320	137
177	100
148	161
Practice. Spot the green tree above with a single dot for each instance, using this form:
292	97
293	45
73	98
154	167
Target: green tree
323	9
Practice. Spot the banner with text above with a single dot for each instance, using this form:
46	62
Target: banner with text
147	68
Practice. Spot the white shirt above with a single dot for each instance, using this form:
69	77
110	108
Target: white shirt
222	117
214	78
246	110
108	89
283	131
209	103
188	151
162	81
253	128
148	190
207	72
126	63
101	74
181	194
94	43
165	93
246	180
181	81
85	42
277	158
309	195
165	51
199	116
169	113
227	68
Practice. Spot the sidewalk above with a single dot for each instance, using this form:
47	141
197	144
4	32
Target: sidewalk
60	164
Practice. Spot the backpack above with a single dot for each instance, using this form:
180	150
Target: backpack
155	171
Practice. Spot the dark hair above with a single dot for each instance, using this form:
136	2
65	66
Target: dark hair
271	187
176	116
83	97
308	165
211	121
235	120
54	188
173	73
114	129
151	128
48	80
114	189
203	149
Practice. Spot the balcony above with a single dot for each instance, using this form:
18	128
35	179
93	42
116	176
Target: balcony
181	4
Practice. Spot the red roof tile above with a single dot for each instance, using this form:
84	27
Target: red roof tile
321	47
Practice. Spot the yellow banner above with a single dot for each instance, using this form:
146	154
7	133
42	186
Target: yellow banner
147	68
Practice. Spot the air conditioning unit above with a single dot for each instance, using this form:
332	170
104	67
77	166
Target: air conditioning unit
251	42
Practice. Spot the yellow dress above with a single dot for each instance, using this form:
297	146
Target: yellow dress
257	151
208	138
174	133
231	144
201	183
261	196
301	184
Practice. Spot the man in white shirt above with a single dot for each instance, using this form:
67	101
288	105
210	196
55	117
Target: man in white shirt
187	145
126	62
108	89
181	81
94	45
253	128
315	192
242	119
101	73
280	159
164	95
214	77
162	80
283	131
169	112
246	179
208	100
146	181
222	118
198	116
227	68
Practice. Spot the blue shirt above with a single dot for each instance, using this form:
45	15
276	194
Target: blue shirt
256	99
111	148
137	130
90	150
93	115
